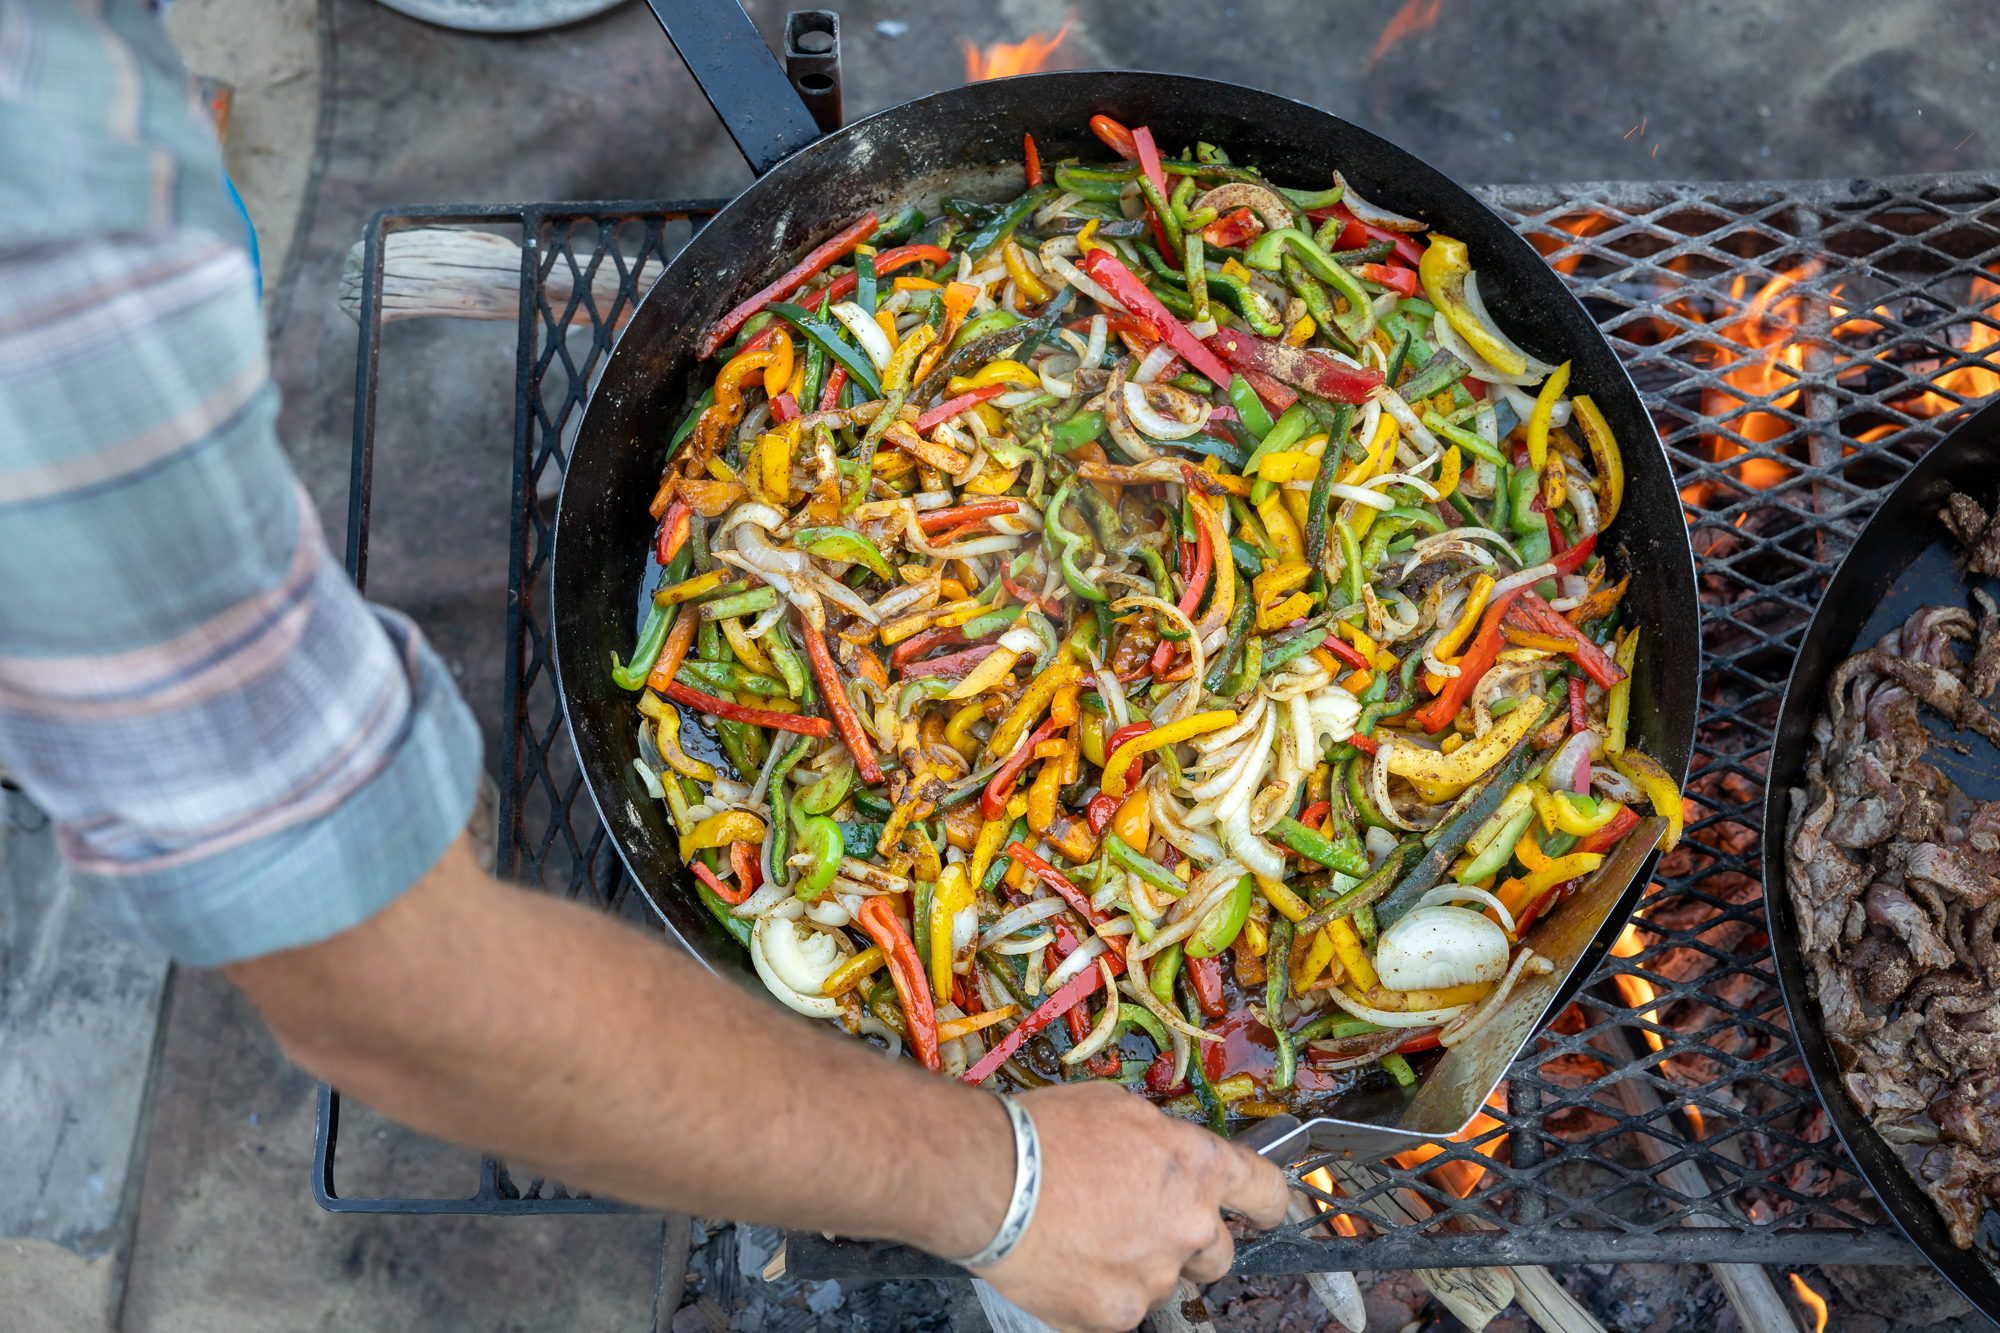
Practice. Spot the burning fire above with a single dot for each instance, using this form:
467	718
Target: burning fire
1322	1181
1640	993
1414	19
1813	1301
1461	1178
1007	58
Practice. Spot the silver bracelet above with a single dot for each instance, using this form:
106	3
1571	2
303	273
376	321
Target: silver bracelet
1027	1190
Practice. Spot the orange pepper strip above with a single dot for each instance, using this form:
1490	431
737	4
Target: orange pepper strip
674	651
844	716
912	986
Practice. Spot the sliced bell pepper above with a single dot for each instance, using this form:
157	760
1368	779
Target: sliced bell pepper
721	830
849	974
1104	268
953	893
1173	733
1031	160
993	802
1308	368
1538	420
1659	788
674	526
1149	166
835	689
829	397
1058	881
1604	453
844	544
1478	659
1444	267
667	740
819	258
1224	922
1233	229
756	717
731	896
822	839
1114	136
950	408
1531	613
1074	993
1205	974
673	653
1611	834
1579	713
1618	705
887	262
907	971
652	637
1402	281
1197	584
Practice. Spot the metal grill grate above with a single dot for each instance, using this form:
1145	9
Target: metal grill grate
1798	344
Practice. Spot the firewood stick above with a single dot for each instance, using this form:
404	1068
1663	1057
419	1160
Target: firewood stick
456	274
1751	1292
1475	1295
1186	1312
1338	1292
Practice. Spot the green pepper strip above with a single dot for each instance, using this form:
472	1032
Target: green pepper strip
1289	430
864	282
1138	863
701	404
1266	252
1077	181
1348	859
1350	555
1249	672
997	229
738	928
1197	273
1438	374
901	226
1160	266
831	338
652	636
1249	407
1164	212
844	544
821	837
1334	1025
786	659
1069	541
1399	1069
1075	431
740	604
972	349
1204	1091
1140	1017
1310	199
1162	972
1277	982
1368	891
1319	303
1241	298
1503	484
1499	851
1303	640
1239	630
1467	440
1399	356
1319	504
743	744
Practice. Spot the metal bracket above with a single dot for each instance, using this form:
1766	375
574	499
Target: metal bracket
740	77
812	63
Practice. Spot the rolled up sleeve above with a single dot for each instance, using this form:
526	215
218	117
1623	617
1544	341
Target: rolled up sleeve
241	754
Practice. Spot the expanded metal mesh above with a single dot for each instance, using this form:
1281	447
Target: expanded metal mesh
1798	345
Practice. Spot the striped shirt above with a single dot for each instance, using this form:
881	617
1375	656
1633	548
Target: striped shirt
240	754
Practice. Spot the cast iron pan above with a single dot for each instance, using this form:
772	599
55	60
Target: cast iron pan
967	142
1902	560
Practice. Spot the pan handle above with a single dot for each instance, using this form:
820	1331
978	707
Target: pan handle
740	77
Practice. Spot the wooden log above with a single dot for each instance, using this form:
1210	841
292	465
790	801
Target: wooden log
448	272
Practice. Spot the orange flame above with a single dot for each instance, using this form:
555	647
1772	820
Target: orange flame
1322	1181
1461	1178
1415	18
1640	993
1813	1301
1966	381
1008	58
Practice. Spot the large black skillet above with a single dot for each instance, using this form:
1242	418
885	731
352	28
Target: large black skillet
967	142
1903	559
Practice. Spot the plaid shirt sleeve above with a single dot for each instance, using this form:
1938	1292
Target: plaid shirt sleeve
241	755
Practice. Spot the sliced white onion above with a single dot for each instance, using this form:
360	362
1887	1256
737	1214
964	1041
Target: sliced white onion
1454	342
834	590
651	779
1373	214
1107	1022
1018	397
866	332
1361	495
1158	359
1404	479
1452	893
1477	305
1523	404
1435	948
1468	534
1583	502
1253	851
1074	964
1562	769
1378	785
1052	252
1027	914
1093	354
1418	433
1033	944
1615	785
1527	578
761	948
1204	329
1470	1022
1052	373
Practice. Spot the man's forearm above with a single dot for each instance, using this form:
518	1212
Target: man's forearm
627	1069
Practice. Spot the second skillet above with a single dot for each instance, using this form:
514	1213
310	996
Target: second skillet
967	142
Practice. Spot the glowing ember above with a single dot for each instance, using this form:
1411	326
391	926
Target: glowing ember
1813	1301
1003	59
1415	18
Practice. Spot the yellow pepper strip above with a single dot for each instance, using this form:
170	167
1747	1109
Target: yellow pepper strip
796	385
993	479
887	323
1295	505
1235	270
688	589
1086	238
777	703
1283	530
1417	1001
667	740
1353	955
951	895
1049	749
1452	743
1041	690
1017	268
1380	450
992	669
991	834
1300	333
849	974
1315	961
1444	268
1288	465
1448	473
1528	851
721	830
1235	1088
777	460
1659	789
1286	903
1256	938
1541	643
1558	814
951	590
778	374
1618	704
1533	885
1134	820
1604	454
1158	738
746	649
954	1028
1284	613
1357	636
955	734
994	372
1554	490
1288	577
904	284
1357	680
1538	420
1334	666
1043	790
1464	766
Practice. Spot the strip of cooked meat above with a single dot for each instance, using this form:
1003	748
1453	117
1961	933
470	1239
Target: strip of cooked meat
1985	674
1882	966
1942	690
1965	519
1948	868
1970	1113
1894	909
1955	1178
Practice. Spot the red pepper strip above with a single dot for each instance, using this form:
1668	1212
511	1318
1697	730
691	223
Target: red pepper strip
1365	744
1407	248
743	858
1032	160
1306	368
1558	540
918	644
674	526
844	716
1347	653
965	997
1421	1042
945	411
1206	974
1478	659
1149	162
1232	229
1107	272
1402	281
1204	565
1579	716
993	802
1607	837
1058	881
1212	1052
784	408
939	519
913	986
1118	738
1098	813
733	712
829	397
1160	1073
886	263
1115	136
1138	328
1079	1027
716	886
1532	613
1314	813
1572	560
821	257
1520	460
953	665
1074	992
1026	598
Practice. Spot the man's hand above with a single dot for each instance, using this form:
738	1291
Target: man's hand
1130	1202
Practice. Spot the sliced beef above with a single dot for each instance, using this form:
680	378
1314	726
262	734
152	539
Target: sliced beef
1985	672
1942	690
1949	868
1965	519
1983	829
1955	1177
1970	1114
1882	967
1895	910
